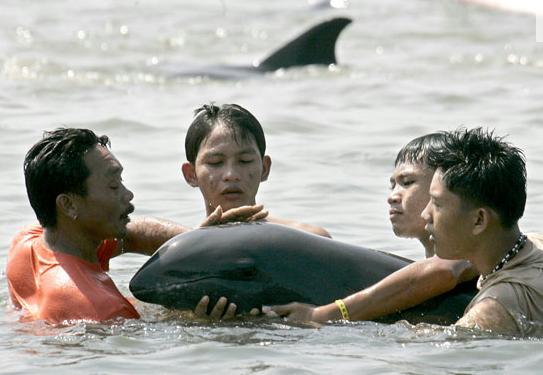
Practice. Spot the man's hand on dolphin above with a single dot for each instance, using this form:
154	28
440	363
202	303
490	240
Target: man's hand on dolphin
243	213
295	311
219	312
222	309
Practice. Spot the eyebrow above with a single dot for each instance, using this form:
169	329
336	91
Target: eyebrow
404	175
248	151
218	153
114	170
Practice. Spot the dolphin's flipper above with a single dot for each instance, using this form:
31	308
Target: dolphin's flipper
315	46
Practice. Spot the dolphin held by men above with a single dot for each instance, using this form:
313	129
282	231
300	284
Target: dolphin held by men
256	264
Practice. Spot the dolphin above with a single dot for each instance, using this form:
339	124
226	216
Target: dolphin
255	264
315	46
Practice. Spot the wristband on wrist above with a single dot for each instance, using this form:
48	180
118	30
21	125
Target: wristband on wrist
342	309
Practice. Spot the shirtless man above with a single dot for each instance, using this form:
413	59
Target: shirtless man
226	159
416	282
478	194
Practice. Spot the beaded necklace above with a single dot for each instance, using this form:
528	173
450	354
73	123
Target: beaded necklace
521	241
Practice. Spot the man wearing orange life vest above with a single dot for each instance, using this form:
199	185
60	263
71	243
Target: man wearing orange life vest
56	271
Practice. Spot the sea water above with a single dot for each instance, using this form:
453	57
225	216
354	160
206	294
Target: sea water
405	68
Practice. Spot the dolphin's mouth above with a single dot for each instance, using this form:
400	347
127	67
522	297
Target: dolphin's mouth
176	294
167	287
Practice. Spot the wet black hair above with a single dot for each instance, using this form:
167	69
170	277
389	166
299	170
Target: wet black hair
54	166
417	150
483	169
236	118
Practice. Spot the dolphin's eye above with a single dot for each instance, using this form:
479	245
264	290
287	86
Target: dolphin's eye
244	269
248	272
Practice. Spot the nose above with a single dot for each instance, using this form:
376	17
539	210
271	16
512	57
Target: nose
426	214
231	173
394	196
128	195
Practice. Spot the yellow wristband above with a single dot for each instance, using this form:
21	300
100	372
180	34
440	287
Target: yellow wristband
342	309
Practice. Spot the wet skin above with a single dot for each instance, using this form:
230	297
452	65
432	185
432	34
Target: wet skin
448	221
85	221
104	211
228	170
409	196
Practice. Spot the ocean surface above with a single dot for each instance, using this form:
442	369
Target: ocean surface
406	67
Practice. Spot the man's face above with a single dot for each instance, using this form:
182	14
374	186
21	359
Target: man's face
409	196
104	211
227	170
448	221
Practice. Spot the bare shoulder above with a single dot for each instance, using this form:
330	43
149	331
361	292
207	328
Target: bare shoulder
490	315
320	231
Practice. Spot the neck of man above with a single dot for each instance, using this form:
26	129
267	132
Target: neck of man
428	246
493	247
71	241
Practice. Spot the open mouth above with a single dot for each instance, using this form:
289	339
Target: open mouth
125	214
393	212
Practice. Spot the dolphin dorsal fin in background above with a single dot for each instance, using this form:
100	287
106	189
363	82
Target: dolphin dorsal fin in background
315	46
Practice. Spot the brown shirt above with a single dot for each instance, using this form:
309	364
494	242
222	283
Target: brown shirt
518	287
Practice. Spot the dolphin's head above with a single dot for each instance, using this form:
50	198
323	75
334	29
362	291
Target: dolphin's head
190	266
250	264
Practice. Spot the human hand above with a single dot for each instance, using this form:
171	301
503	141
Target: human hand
219	312
243	213
295	311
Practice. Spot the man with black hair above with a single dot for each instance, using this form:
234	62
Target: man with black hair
418	281
225	148
56	271
226	159
477	196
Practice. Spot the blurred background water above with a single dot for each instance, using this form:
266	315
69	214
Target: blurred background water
405	68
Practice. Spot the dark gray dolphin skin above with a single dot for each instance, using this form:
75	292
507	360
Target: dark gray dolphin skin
267	264
316	46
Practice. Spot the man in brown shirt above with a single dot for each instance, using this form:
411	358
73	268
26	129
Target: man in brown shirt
477	196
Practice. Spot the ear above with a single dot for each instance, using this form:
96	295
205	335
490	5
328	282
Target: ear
481	219
266	166
189	172
66	205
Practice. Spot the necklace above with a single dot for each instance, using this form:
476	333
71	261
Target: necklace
509	255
